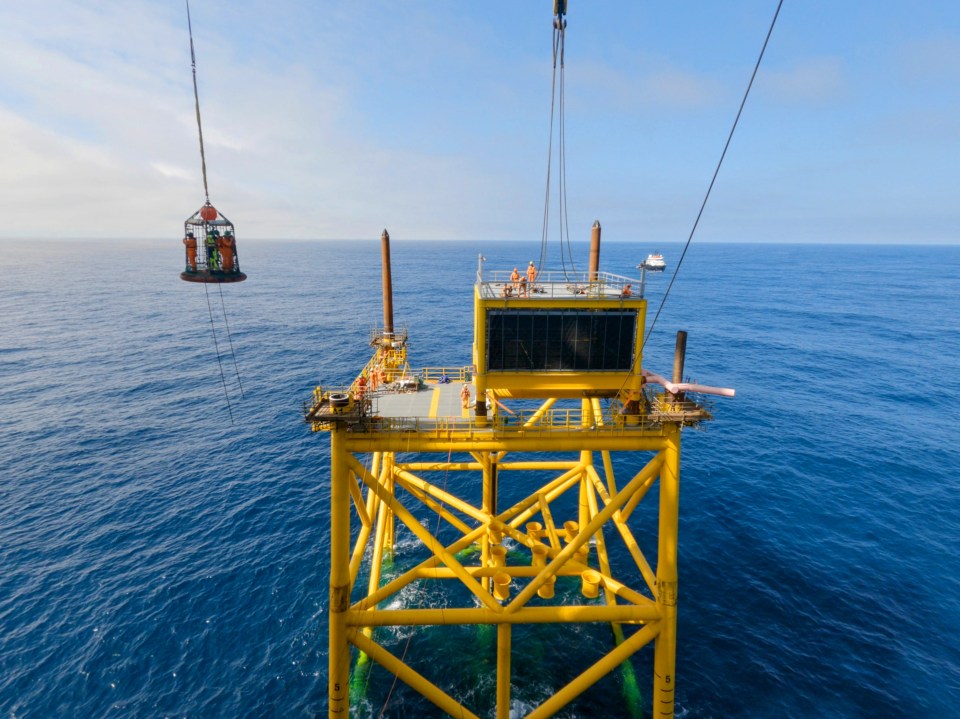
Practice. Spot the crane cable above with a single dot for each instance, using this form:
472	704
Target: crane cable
196	98
716	171
557	111
206	193
743	102
223	306
216	347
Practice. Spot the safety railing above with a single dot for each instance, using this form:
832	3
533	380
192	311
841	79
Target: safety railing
524	421
442	375
378	336
558	285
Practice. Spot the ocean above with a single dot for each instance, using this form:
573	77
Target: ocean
160	560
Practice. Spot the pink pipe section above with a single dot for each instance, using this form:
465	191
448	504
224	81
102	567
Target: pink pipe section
673	387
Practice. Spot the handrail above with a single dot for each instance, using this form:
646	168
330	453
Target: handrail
454	374
551	284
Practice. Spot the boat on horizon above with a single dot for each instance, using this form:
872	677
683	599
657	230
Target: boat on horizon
654	262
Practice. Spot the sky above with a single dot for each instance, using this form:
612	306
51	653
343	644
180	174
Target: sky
336	119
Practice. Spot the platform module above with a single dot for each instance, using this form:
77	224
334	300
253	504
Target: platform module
518	474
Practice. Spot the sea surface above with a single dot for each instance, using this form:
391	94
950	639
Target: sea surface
158	559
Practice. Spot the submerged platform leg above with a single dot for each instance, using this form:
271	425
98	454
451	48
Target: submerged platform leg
665	652
339	648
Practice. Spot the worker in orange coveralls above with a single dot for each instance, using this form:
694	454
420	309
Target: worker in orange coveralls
361	387
465	396
531	273
225	248
191	243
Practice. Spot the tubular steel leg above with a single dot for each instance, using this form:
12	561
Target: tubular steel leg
504	637
487	507
339	650
665	651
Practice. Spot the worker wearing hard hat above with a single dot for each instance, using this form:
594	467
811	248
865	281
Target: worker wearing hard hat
531	272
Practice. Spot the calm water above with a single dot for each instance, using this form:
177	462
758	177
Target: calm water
157	560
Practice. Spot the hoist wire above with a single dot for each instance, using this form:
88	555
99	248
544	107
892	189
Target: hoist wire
560	169
558	117
546	199
216	346
716	171
223	306
563	166
196	98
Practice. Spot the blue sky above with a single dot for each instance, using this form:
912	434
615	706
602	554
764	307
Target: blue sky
336	119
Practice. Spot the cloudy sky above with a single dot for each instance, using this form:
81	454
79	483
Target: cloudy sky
335	119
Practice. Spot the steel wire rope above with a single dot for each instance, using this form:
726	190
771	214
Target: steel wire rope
560	154
406	647
706	197
216	347
233	354
196	98
546	200
565	224
716	172
557	115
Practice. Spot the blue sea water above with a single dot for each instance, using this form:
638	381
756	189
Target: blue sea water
159	560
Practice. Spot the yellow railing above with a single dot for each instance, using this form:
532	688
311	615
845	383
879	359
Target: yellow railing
454	374
551	421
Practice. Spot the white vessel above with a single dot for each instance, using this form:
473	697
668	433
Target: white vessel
654	262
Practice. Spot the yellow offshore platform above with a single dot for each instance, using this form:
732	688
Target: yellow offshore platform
569	347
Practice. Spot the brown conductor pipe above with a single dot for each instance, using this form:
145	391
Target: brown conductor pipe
387	285
679	354
594	251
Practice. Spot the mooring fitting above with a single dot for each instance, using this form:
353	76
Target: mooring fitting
495	531
546	589
501	586
590	586
498	554
538	555
534	530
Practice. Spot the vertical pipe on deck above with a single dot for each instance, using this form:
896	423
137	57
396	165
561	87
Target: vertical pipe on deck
586	458
594	251
679	353
387	284
665	649
339	649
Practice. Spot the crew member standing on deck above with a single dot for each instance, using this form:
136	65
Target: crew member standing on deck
531	273
465	396
515	279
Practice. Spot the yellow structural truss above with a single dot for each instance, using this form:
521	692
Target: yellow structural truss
499	566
